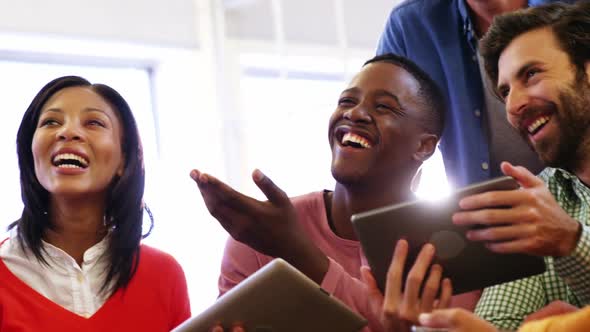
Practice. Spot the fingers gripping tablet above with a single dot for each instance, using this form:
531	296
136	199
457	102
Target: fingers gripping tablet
470	265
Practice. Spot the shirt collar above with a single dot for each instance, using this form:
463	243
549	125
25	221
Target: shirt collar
465	19
536	2
463	8
467	24
563	174
567	179
90	256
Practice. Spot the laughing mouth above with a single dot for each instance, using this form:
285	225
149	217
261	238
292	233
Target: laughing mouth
537	125
69	160
355	141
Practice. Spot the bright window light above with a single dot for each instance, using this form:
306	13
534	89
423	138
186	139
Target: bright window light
433	180
285	115
288	120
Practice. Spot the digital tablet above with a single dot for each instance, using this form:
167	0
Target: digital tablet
469	264
277	298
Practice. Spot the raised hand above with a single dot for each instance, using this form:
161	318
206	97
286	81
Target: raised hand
527	220
270	227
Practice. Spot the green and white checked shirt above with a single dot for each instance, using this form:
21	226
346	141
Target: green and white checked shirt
566	279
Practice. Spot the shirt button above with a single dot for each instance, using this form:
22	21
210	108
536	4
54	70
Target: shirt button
477	113
485	166
474	58
80	278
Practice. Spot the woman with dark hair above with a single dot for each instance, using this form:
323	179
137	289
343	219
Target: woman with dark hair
73	260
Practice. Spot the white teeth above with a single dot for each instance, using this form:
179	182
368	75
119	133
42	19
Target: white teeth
70	156
350	137
538	123
68	166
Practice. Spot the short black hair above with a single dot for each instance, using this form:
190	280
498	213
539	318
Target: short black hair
429	92
124	205
569	22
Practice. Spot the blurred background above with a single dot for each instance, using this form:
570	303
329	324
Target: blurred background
224	86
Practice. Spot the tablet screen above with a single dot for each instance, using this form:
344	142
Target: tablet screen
470	265
277	298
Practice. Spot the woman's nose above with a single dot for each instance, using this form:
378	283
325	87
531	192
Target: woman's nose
69	132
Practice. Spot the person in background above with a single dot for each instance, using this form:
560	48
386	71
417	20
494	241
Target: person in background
386	123
74	261
442	38
539	62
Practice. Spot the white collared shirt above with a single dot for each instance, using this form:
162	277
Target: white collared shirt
63	281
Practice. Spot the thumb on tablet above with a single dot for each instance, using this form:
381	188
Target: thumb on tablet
523	176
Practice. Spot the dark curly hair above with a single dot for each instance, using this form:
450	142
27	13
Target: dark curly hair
431	97
569	22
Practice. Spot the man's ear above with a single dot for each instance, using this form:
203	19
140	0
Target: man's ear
426	146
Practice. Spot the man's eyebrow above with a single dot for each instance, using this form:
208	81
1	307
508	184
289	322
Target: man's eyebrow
350	90
379	92
389	94
521	71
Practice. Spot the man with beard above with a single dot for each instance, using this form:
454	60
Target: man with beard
442	38
386	123
539	60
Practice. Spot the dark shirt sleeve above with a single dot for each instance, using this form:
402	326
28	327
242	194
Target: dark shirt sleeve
391	40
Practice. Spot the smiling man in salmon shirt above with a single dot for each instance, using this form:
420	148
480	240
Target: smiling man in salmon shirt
386	122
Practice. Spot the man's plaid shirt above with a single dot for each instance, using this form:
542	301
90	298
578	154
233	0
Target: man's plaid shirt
566	279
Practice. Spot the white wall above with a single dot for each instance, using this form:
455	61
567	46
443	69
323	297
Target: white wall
356	23
174	22
158	22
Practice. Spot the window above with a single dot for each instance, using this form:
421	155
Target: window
285	127
285	109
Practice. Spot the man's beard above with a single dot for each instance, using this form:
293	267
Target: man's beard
573	121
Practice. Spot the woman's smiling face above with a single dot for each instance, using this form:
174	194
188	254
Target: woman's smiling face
77	145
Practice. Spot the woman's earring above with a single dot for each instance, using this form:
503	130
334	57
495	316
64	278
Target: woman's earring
108	223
